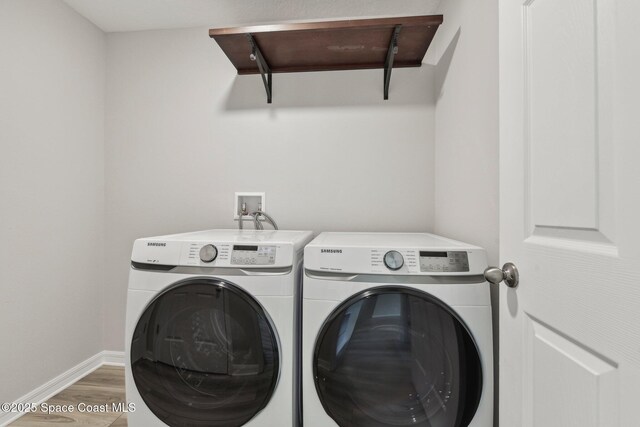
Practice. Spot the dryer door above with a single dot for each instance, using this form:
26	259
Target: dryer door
394	356
204	353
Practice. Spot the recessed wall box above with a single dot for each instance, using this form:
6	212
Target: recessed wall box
251	200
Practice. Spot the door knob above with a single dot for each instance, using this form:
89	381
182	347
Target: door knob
508	273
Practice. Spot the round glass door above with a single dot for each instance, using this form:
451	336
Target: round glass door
204	353
395	356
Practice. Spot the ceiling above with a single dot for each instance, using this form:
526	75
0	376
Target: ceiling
137	15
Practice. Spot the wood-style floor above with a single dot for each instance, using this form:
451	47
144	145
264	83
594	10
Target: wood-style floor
103	386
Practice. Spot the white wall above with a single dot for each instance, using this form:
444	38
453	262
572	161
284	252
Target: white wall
183	132
51	192
465	51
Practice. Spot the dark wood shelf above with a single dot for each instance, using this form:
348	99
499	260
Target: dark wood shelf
327	46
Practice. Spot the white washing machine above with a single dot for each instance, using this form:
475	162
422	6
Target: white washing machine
396	332
210	328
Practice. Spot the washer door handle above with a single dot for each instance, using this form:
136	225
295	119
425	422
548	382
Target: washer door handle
508	273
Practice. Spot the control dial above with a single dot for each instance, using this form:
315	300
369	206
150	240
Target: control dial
393	260
208	253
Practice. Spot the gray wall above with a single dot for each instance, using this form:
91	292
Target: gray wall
465	51
465	54
183	132
51	192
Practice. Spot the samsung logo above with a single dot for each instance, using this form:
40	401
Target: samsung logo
156	244
331	251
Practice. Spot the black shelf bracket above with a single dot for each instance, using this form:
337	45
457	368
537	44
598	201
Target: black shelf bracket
388	64
265	71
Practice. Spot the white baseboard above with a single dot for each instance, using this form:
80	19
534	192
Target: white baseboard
115	358
64	380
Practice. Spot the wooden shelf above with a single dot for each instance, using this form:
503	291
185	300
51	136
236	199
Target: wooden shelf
327	46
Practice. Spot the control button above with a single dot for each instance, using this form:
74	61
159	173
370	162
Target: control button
393	260
208	253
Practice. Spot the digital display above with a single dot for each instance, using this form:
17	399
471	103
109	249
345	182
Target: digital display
444	261
245	248
433	254
253	255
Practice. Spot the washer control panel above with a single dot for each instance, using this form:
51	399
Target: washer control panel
393	260
253	255
214	253
444	261
208	253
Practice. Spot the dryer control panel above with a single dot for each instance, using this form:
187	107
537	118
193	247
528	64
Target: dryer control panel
393	254
444	261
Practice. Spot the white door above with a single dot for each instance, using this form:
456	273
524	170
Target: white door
570	212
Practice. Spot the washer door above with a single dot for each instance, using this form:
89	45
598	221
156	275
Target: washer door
394	356
204	353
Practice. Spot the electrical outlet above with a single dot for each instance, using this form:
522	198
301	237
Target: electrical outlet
253	200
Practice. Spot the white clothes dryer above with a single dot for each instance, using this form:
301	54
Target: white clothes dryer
396	332
210	328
